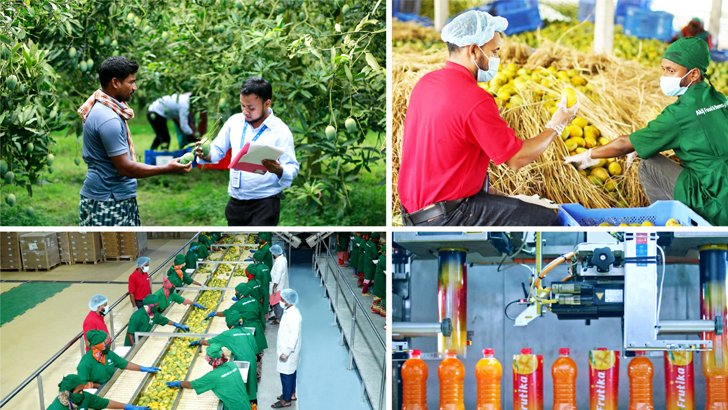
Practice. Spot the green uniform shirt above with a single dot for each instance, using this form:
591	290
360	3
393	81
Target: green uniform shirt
172	275
241	342
215	236
190	261
380	279
90	401
249	308
140	322
366	262
202	251
164	302
205	240
264	256
258	294
342	241
354	258
696	128
227	384
90	370
264	279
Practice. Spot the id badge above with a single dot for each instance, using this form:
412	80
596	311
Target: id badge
236	178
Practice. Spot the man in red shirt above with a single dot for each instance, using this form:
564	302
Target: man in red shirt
139	283
95	318
452	131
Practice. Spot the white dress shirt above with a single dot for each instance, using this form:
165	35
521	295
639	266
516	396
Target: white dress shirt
174	106
279	274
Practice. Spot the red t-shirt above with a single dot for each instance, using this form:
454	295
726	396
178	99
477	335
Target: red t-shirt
451	133
94	321
139	284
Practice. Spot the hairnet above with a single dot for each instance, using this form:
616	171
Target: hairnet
689	52
150	300
214	351
96	301
142	260
179	259
290	296
472	27
276	250
70	382
95	336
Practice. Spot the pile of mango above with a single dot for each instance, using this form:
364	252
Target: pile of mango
670	222
233	254
578	137
718	73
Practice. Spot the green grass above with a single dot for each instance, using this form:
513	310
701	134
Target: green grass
194	199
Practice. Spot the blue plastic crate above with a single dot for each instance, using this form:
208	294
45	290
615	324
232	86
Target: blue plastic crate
414	18
719	56
658	213
587	9
648	24
522	15
620	10
150	157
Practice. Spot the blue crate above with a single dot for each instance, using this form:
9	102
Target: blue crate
522	15
414	18
623	5
648	24
587	8
719	56
657	213
150	157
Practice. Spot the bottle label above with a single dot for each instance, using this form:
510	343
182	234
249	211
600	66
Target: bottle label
679	380
603	380
525	382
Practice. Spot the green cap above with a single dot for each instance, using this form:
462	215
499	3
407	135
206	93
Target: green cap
214	351
150	300
179	259
266	236
252	269
375	235
95	336
232	317
70	382
244	289
689	52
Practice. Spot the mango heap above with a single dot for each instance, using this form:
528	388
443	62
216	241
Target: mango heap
233	254
718	73
670	222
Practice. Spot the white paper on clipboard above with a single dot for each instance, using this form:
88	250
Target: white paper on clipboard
258	152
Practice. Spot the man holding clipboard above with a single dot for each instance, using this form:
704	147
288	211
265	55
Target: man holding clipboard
264	159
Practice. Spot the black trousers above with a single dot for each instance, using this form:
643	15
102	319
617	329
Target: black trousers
159	125
139	303
253	212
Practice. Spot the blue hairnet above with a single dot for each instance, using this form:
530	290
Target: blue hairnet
142	260
472	27
290	296
96	301
276	250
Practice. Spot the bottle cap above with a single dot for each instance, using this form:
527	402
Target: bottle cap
415	353
526	351
488	352
602	348
564	351
450	353
640	352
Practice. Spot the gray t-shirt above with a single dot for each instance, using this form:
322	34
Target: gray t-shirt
104	136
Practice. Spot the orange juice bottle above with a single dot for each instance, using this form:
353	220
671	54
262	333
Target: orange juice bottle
527	385
414	382
564	373
603	379
679	380
451	373
488	371
640	373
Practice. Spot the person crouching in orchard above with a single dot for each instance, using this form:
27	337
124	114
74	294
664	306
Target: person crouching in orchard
108	195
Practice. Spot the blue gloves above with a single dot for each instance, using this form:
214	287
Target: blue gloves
150	369
235	299
133	407
182	327
198	306
213	314
248	260
195	343
174	384
252	251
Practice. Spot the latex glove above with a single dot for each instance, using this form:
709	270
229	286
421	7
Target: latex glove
195	343
630	158
235	299
134	308
182	327
150	369
563	116
284	357
174	384
376	261
248	260
133	407
583	160
199	306
211	315
252	251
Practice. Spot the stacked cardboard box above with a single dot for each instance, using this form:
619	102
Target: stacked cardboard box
132	244
111	246
10	251
64	247
39	250
86	247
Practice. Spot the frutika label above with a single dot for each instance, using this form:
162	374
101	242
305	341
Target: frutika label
525	382
603	380
679	381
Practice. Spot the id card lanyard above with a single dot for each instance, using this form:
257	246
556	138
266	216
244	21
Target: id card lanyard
237	175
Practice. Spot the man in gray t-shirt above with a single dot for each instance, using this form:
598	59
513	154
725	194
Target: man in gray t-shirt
108	195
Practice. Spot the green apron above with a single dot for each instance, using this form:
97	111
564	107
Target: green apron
380	279
264	279
354	259
226	383
190	261
241	342
249	308
370	254
342	241
696	128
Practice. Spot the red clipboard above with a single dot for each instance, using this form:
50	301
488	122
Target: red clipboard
246	166
275	298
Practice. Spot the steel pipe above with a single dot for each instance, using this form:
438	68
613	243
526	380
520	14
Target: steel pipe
401	330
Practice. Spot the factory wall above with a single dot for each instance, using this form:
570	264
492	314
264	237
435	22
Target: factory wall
488	293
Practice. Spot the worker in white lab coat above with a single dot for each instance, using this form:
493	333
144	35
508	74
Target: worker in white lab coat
288	347
278	281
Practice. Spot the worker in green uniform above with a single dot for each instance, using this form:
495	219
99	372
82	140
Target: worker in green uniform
342	247
205	238
200	250
192	256
167	295
354	261
224	380
249	308
72	396
695	127
258	292
370	255
143	320
100	363
241	342
379	304
264	279
263	255
177	273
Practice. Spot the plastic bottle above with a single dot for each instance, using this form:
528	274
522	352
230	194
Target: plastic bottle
414	382
564	373
603	379
451	373
526	382
640	373
679	381
488	372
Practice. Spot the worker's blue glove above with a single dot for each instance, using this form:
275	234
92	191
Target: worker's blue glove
150	369
248	260
235	299
211	315
182	327
253	251
133	407
198	306
174	384
195	343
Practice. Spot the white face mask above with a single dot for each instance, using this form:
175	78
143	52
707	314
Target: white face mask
145	269
671	85
493	65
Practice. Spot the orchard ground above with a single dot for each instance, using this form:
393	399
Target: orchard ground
197	198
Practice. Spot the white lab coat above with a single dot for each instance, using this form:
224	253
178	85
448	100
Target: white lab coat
279	274
289	341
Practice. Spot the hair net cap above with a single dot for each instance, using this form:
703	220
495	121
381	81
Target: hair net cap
472	27
95	336
142	261
276	250
179	259
214	351
290	296
70	382
96	301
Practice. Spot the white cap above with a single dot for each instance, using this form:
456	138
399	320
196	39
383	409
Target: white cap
472	27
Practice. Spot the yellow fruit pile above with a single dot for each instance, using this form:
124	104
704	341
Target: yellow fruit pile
233	254
215	256
718	73
670	222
